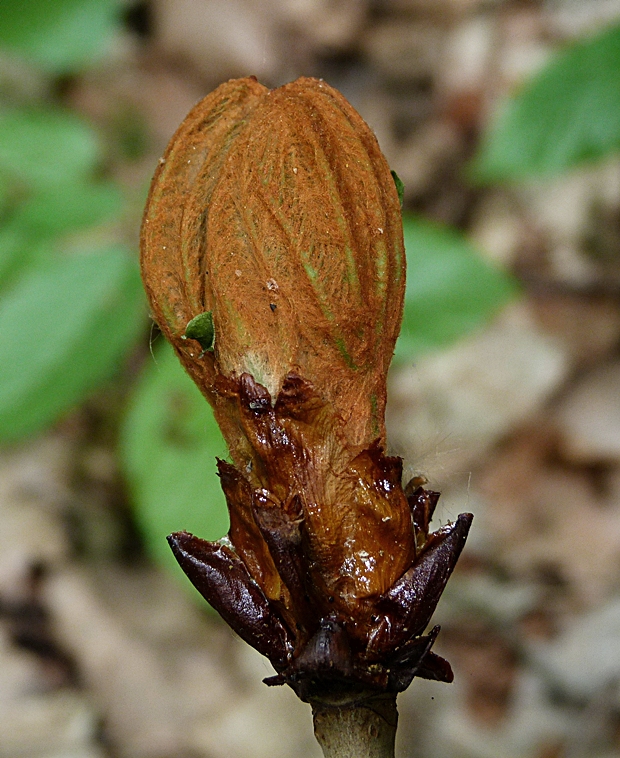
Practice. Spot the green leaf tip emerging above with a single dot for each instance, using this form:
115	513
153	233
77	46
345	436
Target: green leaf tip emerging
400	187
200	328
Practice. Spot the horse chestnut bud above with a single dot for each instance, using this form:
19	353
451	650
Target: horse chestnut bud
272	255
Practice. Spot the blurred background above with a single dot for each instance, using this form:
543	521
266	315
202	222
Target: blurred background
502	118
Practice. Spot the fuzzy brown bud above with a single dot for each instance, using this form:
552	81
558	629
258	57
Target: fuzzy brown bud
282	220
272	254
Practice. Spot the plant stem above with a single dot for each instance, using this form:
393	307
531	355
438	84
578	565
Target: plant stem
356	729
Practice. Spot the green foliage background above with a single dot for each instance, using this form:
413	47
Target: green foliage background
568	113
72	311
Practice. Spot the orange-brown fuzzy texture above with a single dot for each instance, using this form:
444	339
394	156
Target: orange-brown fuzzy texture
276	211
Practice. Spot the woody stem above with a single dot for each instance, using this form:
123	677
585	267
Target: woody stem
356	729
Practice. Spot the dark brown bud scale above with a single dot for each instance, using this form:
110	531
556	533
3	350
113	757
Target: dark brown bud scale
273	230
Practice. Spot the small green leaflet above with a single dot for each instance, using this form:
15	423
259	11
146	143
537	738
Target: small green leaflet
200	328
400	187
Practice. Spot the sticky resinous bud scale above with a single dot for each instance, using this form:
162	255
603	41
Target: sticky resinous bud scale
272	255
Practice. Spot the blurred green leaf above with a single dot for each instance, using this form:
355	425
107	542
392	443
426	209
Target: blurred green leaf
169	444
65	328
568	113
6	194
33	233
45	148
13	243
451	289
19	253
60	35
77	206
